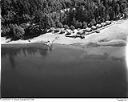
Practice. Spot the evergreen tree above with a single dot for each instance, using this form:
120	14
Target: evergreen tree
85	25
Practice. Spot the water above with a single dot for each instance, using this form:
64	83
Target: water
63	71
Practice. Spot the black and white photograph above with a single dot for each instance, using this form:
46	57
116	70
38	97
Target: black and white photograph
64	49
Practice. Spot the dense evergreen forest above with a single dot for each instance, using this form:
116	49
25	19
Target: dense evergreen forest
29	18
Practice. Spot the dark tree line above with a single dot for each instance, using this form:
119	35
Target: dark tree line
28	18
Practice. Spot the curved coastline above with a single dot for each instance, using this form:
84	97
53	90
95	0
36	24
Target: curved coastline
111	35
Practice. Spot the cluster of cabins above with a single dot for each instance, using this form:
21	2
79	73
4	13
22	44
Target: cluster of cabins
79	32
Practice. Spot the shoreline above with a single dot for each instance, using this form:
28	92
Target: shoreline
114	34
117	53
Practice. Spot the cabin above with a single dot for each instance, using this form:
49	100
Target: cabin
93	27
98	25
108	22
103	24
88	29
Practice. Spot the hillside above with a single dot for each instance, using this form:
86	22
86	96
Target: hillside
25	19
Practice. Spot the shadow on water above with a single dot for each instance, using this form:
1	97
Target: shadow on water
13	52
61	72
25	50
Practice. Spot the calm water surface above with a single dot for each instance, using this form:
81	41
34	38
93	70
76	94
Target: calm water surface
63	72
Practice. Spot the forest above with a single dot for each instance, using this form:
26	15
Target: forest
22	19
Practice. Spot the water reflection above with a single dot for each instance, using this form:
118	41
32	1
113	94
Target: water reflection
26	51
64	72
13	52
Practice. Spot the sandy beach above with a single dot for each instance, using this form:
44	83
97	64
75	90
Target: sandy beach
113	35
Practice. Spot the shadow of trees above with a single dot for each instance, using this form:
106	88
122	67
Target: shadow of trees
12	52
